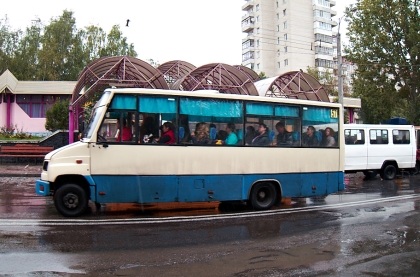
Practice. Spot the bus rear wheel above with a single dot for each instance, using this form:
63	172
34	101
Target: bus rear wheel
70	200
389	172
263	196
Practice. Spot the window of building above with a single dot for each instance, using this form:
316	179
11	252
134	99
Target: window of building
285	49
258	54
35	106
285	25
284	12
257	7
278	41
278	52
277	4
278	16
285	37
258	66
258	43
258	18
278	64
286	62
278	28
258	30
284	1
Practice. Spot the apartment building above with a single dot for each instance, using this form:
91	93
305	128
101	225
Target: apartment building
288	35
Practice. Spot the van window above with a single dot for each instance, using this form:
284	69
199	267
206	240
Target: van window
354	136
378	136
401	136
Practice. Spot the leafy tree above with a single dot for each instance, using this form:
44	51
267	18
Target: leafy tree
117	45
262	75
385	44
25	64
9	41
57	117
60	56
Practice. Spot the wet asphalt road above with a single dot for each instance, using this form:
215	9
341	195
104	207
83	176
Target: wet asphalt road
371	229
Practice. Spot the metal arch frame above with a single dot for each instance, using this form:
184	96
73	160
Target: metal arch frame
297	85
119	71
175	70
218	76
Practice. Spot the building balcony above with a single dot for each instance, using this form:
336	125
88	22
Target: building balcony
247	27
248	5
333	3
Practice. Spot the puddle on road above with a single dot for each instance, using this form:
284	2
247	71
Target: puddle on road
22	264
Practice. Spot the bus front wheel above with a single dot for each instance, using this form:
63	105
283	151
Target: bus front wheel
70	200
389	172
263	196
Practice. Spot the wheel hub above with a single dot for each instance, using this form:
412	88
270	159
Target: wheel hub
71	200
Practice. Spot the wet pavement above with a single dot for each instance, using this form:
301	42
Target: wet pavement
370	229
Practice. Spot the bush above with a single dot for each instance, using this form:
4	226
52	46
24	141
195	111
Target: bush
58	116
12	132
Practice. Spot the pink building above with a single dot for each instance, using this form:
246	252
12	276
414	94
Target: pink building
23	103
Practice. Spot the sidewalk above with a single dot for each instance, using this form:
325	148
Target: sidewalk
20	170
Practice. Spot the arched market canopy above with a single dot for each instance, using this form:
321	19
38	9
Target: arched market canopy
252	75
217	76
116	71
175	70
293	84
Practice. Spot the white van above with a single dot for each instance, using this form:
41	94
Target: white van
383	149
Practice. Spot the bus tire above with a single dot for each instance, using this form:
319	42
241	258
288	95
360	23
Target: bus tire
263	196
389	172
71	200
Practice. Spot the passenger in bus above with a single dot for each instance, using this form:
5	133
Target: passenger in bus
201	134
328	139
148	130
183	122
262	138
168	134
284	138
309	139
126	132
250	135
232	138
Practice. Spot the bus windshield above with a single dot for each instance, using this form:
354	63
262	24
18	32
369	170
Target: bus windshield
98	110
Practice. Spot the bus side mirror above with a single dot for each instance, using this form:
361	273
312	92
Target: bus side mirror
82	127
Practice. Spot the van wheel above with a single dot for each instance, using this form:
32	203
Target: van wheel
263	196
71	200
389	172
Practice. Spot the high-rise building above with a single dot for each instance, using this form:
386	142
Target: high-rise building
288	35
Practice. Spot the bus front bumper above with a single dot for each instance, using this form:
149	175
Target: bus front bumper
42	187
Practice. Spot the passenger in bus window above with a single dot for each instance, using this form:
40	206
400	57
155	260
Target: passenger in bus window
262	138
232	138
250	135
126	132
309	139
148	130
284	138
168	134
201	134
328	139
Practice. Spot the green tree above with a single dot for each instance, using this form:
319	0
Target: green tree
61	56
262	75
116	44
9	41
57	117
25	63
385	45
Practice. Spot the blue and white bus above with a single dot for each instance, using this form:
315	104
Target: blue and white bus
112	166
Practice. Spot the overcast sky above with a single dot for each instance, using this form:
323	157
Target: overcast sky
195	31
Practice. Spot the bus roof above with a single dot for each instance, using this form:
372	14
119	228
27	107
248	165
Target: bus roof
219	95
